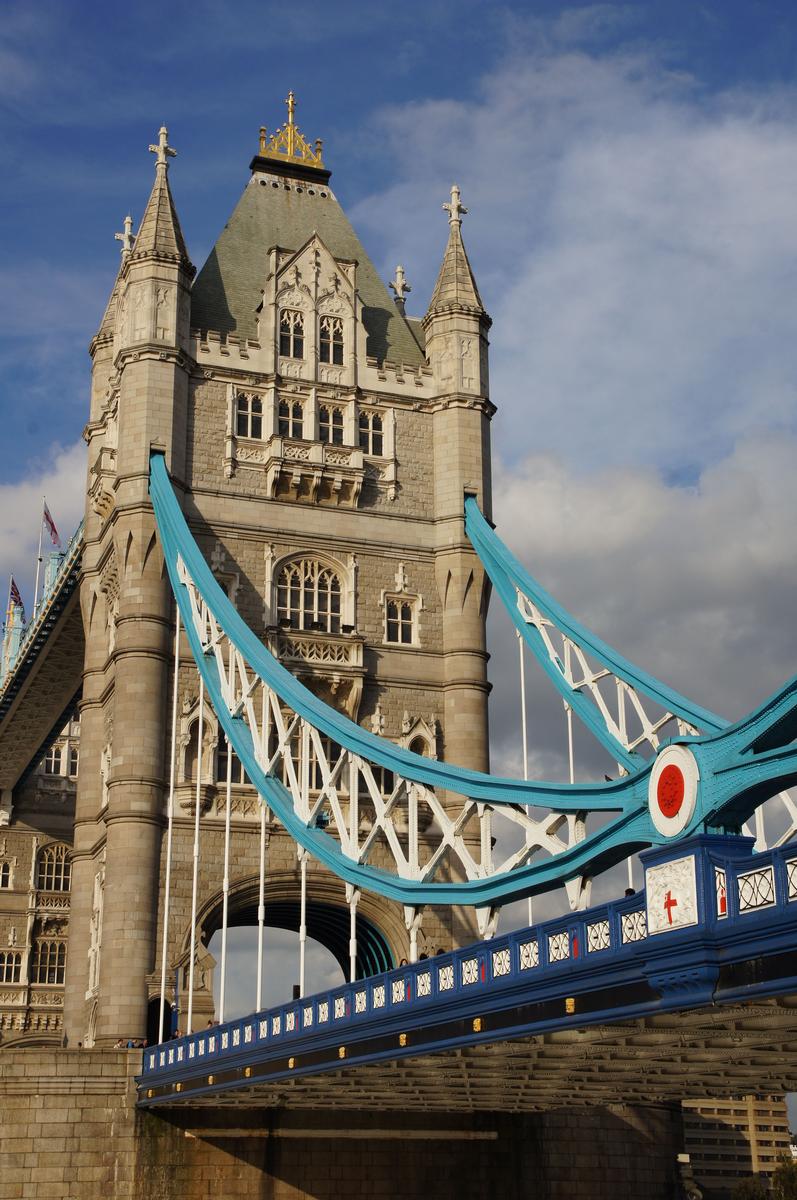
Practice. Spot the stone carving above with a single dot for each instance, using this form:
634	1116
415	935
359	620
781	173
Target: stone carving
162	315
671	895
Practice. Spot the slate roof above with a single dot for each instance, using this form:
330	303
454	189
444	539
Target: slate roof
228	289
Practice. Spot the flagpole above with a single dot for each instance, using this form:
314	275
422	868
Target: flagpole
6	625
38	563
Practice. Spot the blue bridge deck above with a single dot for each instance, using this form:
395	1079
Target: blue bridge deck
734	939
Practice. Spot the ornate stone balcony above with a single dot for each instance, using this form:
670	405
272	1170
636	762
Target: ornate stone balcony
311	471
330	664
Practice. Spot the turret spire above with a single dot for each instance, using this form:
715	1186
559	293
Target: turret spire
456	287
160	235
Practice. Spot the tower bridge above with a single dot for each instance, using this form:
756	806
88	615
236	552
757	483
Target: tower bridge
273	618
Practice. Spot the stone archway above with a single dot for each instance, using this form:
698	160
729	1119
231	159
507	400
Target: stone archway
381	937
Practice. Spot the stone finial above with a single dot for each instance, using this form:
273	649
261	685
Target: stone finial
127	238
400	287
163	150
456	210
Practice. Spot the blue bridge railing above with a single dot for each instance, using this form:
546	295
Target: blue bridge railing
600	964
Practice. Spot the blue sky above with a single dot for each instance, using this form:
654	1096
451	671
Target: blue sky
630	171
84	86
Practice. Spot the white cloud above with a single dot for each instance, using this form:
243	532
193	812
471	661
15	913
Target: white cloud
61	477
633	241
694	584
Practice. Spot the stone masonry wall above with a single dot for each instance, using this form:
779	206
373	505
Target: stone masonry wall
69	1131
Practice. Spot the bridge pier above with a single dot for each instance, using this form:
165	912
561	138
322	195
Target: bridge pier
69	1130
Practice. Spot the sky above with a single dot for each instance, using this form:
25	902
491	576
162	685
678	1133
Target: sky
630	173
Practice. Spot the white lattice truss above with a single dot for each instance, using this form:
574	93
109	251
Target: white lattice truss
630	718
620	705
373	814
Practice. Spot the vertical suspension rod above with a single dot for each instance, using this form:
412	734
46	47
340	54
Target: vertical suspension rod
261	899
226	882
170	828
521	649
303	923
354	896
195	877
261	907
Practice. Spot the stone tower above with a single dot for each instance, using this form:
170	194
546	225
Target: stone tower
321	443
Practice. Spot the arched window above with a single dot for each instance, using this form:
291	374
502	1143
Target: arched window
330	425
54	871
400	622
237	773
291	419
49	962
371	434
291	334
419	745
52	761
309	596
10	966
249	417
330	341
73	762
5	875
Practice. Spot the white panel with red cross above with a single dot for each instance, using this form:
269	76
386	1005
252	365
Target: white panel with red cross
671	892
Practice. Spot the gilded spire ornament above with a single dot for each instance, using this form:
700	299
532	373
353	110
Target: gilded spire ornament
289	143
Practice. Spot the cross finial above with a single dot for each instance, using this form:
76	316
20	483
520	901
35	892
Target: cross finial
127	238
456	210
399	283
163	150
290	100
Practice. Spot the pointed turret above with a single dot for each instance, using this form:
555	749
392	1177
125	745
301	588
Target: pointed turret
160	235
456	287
456	323
456	328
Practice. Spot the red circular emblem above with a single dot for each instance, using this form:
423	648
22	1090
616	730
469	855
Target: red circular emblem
670	790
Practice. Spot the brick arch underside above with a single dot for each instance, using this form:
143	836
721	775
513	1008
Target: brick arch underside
327	920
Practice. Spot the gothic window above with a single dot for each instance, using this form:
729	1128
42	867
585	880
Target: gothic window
400	622
5	875
49	962
330	340
291	419
249	417
73	762
54	871
52	761
191	751
10	966
237	773
330	425
291	334
309	596
372	438
419	745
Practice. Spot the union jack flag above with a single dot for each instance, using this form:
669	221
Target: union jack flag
13	594
51	529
